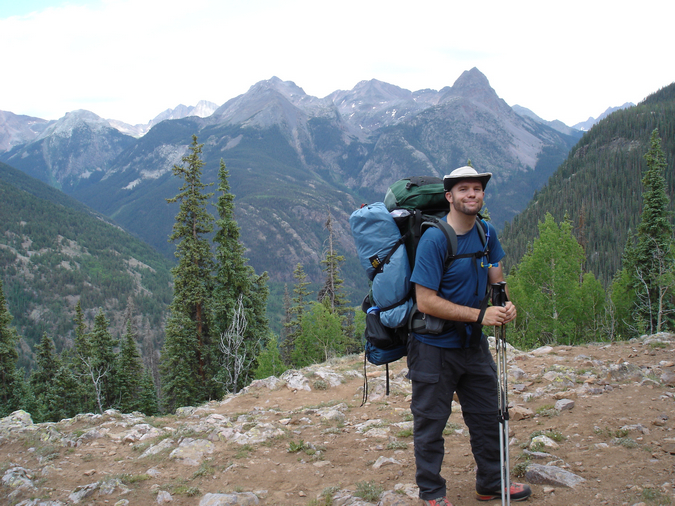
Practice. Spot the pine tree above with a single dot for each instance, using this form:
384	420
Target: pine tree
46	398
67	388
148	403
651	260
130	370
102	367
332	294
297	309
189	350
10	377
75	360
239	296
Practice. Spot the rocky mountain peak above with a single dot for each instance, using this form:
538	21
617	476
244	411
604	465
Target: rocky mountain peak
80	118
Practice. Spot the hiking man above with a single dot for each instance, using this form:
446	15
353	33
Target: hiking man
456	357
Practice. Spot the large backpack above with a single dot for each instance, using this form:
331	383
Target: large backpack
386	235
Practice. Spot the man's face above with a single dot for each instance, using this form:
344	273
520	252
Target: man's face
466	197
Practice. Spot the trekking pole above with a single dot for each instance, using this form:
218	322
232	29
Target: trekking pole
499	299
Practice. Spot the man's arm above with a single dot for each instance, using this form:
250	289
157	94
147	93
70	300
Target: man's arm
429	302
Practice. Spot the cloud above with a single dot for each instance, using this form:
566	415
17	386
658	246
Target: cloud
130	60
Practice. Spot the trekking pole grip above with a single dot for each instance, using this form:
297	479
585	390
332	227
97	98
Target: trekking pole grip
499	297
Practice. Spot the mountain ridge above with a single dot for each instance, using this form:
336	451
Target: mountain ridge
290	154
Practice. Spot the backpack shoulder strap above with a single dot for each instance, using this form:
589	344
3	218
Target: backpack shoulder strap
450	237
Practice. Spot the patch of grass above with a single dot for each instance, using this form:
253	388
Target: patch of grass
655	496
397	445
450	428
294	447
244	451
405	433
185	490
555	435
657	344
141	447
626	442
130	479
320	385
408	417
325	498
547	410
205	469
368	491
520	469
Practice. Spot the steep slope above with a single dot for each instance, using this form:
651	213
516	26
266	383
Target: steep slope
599	186
55	252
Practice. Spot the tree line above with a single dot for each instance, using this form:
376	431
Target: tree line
560	301
217	336
217	333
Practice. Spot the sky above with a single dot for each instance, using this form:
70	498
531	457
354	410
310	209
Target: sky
130	60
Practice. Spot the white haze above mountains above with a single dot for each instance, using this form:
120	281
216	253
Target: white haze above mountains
17	129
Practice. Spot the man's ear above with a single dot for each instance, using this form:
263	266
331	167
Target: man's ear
448	196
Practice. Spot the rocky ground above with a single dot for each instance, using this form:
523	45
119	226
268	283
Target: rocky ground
590	425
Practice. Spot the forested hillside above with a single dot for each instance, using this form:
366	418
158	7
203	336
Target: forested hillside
599	186
55	252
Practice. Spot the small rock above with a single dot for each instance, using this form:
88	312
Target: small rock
164	497
520	412
239	499
545	440
564	404
551	475
384	461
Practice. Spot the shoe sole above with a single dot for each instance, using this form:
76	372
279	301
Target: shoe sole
493	497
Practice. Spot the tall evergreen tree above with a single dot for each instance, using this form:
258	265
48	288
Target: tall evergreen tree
651	260
102	367
46	397
332	294
75	360
130	370
189	350
148	403
11	385
296	311
239	295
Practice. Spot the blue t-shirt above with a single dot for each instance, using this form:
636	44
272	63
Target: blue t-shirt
464	283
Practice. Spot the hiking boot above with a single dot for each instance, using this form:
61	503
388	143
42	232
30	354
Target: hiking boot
519	492
441	501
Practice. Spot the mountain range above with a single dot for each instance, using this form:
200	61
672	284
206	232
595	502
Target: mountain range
292	158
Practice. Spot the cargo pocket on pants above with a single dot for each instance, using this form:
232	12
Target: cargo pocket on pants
428	398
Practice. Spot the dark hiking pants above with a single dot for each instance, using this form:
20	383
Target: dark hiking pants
436	374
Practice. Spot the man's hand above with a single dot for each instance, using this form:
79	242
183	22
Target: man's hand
498	315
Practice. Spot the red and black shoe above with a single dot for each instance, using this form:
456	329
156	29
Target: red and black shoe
519	492
441	501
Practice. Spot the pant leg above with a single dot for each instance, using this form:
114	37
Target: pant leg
431	406
429	454
478	394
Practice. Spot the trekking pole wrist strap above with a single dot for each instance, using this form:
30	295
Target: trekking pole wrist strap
481	315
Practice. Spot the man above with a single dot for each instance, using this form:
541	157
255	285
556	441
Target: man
457	358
